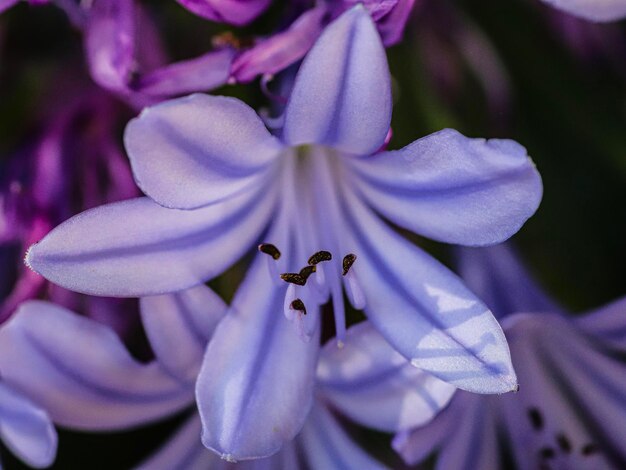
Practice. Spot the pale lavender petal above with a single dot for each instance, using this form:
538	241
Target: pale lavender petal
342	94
81	373
472	440
592	10
110	43
205	72
26	429
453	189
193	151
608	322
327	446
237	12
371	383
137	248
424	310
255	388
280	50
416	445
185	451
498	277
179	327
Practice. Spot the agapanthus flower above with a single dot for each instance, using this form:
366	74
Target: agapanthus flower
571	407
592	10
79	370
218	182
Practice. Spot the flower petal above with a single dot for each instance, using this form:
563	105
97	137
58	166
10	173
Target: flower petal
193	151
136	247
205	72
280	50
326	445
26	429
453	189
607	322
592	10
498	277
179	327
255	388
81	373
373	384
237	12
110	43
424	310
185	451
342	94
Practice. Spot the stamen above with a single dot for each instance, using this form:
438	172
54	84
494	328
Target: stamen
269	249
547	453
297	304
306	272
564	443
353	290
319	257
535	418
348	261
589	449
293	278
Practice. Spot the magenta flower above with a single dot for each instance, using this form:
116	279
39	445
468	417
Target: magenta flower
218	182
592	10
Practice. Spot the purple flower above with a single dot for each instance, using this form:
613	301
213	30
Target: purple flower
80	371
592	10
570	409
218	181
275	53
72	164
237	12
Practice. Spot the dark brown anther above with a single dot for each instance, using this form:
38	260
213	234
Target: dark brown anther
589	449
319	257
348	261
535	418
547	453
293	278
269	249
297	304
564	443
307	271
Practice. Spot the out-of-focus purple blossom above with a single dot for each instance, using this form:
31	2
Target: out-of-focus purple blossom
276	52
237	12
80	372
593	10
73	164
219	181
26	429
125	56
570	409
590	43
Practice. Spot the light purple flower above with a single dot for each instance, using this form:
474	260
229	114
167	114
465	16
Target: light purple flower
219	181
570	409
100	387
592	10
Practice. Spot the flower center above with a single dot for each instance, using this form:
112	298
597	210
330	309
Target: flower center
311	208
